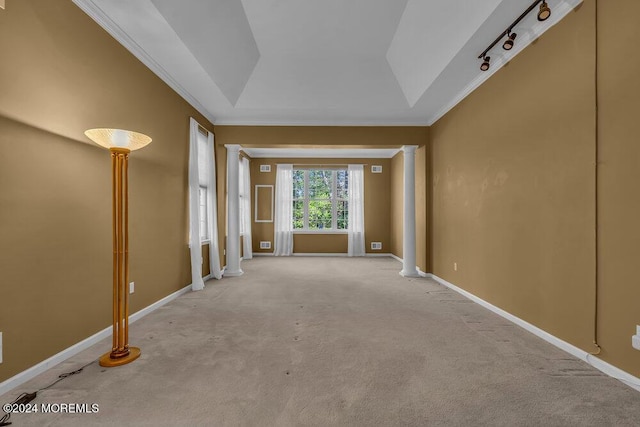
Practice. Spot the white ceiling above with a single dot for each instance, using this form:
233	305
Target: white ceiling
320	62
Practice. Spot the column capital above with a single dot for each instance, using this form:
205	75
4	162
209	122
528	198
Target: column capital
409	148
233	147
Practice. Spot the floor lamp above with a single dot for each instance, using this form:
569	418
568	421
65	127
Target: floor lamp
120	143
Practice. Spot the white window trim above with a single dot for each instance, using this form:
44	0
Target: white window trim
334	204
323	231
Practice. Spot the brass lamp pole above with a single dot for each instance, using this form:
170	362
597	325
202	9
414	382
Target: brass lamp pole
120	143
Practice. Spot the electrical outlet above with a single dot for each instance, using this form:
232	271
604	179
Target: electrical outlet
265	245
132	287
455	266
635	339
0	347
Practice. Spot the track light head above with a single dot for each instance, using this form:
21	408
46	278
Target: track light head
544	12
485	64
508	43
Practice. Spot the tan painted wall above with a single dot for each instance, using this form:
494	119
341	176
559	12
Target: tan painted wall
321	136
422	215
397	200
619	178
221	187
513	185
325	136
376	208
61	75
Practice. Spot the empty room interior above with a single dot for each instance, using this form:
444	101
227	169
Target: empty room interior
407	212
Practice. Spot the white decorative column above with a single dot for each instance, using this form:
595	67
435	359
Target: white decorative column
409	226
233	211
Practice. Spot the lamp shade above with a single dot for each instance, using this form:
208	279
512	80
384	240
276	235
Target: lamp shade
118	138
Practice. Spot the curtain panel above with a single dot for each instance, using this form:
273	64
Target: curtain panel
202	174
355	223
283	225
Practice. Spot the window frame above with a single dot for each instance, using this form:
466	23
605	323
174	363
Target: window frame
334	200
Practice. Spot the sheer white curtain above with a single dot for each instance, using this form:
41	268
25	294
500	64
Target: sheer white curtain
355	225
203	222
212	211
245	181
283	226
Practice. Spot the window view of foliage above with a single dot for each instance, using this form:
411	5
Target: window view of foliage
320	199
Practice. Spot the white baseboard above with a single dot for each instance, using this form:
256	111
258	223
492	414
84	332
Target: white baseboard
368	254
423	274
41	367
592	360
320	254
397	258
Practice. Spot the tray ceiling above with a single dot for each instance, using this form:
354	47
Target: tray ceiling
329	62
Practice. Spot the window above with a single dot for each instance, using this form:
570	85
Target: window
320	199
203	189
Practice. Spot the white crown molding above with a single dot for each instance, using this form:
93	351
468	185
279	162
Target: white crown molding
101	18
295	122
524	40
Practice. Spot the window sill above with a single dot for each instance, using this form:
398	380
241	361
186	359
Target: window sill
320	231
202	243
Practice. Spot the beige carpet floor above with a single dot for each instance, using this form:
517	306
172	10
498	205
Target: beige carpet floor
332	341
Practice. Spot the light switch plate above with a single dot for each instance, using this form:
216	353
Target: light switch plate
132	287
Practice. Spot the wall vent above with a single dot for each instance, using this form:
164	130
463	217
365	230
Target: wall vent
376	168
265	245
265	168
376	246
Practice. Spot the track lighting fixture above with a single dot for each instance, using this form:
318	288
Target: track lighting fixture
508	43
485	65
543	14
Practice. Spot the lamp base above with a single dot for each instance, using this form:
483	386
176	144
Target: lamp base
108	362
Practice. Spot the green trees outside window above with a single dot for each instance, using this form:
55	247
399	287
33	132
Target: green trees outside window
320	199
